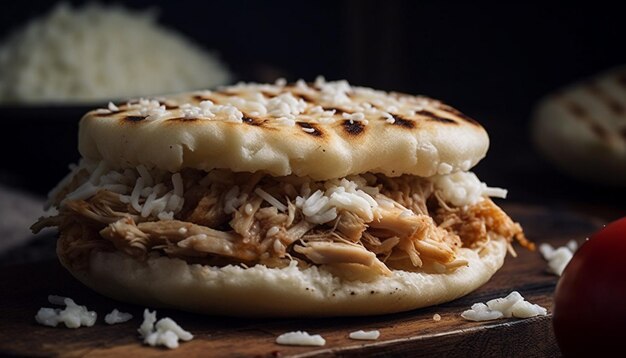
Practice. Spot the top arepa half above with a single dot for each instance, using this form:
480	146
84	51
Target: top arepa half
322	130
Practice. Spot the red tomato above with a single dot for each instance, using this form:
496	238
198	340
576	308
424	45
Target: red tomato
590	299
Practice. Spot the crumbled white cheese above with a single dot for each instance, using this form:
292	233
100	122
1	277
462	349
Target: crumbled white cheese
272	231
290	104
505	304
147	326
285	105
464	188
117	317
316	110
366	336
480	312
512	305
166	332
525	309
149	108
144	189
288	122
444	168
230	113
232	200
327	120
389	118
270	199
322	206
208	110
300	338
319	81
355	117
391	109
572	245
203	110
73	315
436	317
302	85
168	339
168	324
558	258
84	54
248	209
334	93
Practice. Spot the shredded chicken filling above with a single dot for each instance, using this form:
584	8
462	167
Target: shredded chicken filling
359	227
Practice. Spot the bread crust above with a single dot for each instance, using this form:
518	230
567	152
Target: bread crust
288	292
396	134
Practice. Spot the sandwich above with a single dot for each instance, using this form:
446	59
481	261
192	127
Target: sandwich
285	199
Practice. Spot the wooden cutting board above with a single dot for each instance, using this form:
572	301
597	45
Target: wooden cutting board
25	288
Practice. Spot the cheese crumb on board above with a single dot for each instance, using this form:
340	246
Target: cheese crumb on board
300	338
513	305
165	332
73	315
117	317
365	335
558	258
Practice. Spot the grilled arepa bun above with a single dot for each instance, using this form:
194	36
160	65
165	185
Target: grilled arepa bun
303	199
582	128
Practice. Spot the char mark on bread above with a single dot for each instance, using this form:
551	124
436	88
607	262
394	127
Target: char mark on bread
269	94
182	119
311	129
580	113
402	122
337	110
252	121
459	114
621	79
599	131
433	117
200	98
304	97
224	93
576	109
134	119
353	128
598	92
109	113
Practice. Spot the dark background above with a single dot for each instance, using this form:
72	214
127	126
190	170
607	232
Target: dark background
492	60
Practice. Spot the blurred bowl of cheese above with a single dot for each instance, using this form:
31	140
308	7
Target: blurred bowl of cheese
98	53
56	67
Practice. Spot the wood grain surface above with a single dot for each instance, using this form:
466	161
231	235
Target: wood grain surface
23	289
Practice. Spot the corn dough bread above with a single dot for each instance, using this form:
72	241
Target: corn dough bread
325	130
582	128
260	291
